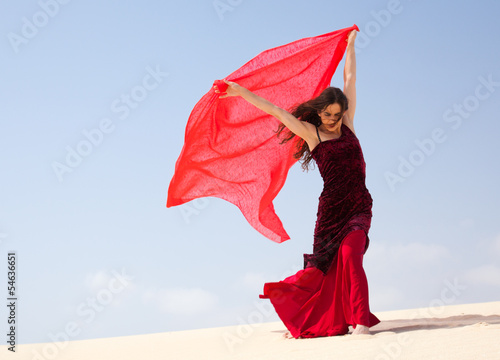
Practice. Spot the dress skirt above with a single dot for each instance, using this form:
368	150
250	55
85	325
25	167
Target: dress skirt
313	304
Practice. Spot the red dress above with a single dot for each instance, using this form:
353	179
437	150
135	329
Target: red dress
331	292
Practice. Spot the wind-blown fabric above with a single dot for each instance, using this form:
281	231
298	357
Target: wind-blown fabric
231	150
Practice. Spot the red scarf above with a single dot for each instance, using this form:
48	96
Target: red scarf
230	147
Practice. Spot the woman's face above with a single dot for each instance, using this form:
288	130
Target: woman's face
331	117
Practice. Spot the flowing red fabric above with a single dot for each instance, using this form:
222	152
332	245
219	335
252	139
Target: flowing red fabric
231	150
312	304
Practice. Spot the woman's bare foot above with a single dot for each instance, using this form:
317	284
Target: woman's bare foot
361	330
287	335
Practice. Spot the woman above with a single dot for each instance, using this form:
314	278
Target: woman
331	292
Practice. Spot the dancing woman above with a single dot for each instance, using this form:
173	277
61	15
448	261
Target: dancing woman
331	292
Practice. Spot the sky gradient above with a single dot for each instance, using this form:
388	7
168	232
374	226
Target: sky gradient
95	99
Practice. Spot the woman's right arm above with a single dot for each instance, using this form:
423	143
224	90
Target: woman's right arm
300	128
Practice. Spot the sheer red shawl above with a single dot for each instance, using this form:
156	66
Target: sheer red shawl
231	150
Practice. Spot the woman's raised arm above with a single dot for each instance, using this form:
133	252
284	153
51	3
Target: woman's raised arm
299	128
350	80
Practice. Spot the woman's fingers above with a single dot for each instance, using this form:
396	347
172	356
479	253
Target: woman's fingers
225	88
351	36
217	91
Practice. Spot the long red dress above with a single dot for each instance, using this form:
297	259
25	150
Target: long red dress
331	292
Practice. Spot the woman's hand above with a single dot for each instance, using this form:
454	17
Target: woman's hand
351	37
233	89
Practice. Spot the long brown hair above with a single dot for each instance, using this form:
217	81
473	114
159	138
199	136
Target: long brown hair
308	111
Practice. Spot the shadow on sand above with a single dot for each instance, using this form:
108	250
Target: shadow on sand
403	325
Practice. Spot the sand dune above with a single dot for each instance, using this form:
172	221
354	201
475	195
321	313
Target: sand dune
469	331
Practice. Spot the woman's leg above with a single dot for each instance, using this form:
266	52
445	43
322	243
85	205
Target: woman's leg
355	284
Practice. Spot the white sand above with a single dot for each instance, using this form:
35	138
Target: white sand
469	331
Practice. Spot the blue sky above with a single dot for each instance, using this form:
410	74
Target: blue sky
100	255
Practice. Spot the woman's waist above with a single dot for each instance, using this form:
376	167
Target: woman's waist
336	191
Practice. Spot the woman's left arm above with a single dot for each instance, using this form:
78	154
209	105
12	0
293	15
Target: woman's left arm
350	80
